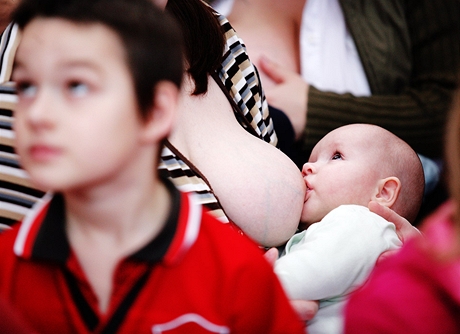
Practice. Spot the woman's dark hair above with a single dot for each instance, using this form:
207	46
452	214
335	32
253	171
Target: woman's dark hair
152	40
203	36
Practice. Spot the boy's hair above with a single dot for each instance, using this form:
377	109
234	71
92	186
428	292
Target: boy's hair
151	38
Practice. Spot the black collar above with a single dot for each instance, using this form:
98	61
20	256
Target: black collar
51	242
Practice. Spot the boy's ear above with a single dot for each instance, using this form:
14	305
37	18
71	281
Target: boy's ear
387	191
162	116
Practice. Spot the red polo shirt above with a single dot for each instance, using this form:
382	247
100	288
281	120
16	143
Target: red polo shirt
196	276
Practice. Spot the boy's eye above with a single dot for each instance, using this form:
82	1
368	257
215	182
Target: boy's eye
78	88
337	156
26	89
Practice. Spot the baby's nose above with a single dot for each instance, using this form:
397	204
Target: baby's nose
308	168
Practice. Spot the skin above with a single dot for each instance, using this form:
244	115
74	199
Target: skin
286	89
259	187
79	85
82	196
160	3
267	201
345	167
278	40
270	30
349	165
78	131
289	93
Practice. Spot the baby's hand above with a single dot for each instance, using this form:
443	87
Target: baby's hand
306	309
271	255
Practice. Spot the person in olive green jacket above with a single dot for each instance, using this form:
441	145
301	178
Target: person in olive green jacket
406	53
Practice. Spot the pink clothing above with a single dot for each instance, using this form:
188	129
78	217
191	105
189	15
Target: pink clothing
413	291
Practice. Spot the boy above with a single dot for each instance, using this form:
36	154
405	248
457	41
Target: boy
349	167
114	247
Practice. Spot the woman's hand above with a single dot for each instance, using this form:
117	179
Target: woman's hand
289	93
404	229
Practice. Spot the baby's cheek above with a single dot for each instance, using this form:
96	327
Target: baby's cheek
313	211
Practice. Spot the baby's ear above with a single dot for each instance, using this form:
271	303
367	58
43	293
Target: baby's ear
162	116
387	191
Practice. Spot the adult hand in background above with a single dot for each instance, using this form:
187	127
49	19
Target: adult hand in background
404	229
289	93
306	309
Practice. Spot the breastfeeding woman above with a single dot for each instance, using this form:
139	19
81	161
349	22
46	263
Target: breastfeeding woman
223	147
224	144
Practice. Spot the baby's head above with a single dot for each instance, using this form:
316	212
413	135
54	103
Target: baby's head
357	163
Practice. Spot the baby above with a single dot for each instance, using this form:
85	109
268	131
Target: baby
349	167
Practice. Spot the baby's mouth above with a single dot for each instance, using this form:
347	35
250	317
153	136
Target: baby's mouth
309	188
307	192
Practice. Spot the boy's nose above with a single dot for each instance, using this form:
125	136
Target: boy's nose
39	110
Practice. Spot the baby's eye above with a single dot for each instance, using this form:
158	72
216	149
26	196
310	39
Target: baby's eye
26	89
78	88
337	156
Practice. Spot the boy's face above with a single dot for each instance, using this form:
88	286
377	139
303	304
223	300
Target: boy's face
342	169
76	121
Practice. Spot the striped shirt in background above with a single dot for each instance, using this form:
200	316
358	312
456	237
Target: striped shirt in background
17	195
238	79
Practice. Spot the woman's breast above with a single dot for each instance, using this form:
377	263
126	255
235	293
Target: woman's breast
259	187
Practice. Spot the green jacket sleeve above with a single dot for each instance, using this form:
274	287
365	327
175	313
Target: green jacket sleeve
417	111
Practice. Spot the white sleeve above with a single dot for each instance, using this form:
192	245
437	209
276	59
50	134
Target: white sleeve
336	255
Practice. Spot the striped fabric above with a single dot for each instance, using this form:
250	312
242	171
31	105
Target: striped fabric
241	79
240	82
188	178
17	195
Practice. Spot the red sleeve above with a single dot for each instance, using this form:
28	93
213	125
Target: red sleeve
250	297
259	292
10	321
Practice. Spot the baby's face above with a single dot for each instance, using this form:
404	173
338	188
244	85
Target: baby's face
342	169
